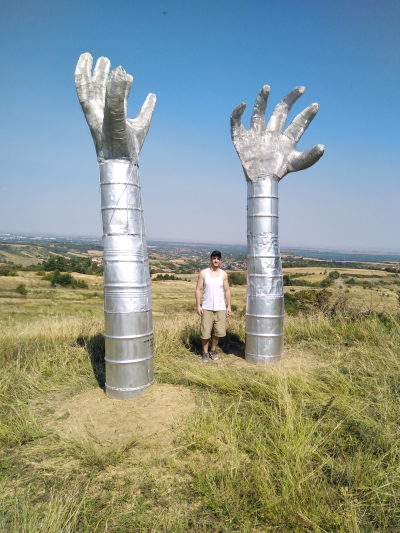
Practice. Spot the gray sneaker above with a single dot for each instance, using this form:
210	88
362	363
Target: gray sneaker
213	355
204	357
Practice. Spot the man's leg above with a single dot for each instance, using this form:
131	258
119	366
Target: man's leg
214	343
219	331
204	343
205	332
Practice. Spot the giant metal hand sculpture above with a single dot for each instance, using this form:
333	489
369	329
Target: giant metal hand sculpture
127	292
267	154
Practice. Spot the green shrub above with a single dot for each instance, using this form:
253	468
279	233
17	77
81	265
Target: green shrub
299	282
322	299
291	303
351	281
21	289
65	280
327	282
306	295
237	278
7	271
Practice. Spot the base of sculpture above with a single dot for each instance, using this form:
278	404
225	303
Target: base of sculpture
126	394
262	360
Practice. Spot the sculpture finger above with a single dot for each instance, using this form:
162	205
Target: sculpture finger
128	88
301	122
303	160
258	118
141	123
281	112
83	78
115	97
99	79
237	128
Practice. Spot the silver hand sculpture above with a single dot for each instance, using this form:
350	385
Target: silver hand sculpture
127	293
267	154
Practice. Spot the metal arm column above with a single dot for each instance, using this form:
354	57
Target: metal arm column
127	292
265	304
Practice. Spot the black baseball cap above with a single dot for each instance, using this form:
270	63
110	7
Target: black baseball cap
216	253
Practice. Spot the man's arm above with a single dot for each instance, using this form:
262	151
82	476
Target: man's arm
227	290
199	286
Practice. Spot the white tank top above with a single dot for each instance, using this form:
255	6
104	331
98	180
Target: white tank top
213	294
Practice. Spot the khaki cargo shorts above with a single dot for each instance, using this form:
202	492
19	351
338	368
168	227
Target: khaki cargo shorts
210	319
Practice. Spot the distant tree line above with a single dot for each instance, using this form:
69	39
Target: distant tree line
290	281
82	265
328	264
168	277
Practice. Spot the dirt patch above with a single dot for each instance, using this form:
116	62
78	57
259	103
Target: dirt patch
293	360
151	417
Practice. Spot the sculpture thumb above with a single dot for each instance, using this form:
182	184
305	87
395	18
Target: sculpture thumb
143	119
303	160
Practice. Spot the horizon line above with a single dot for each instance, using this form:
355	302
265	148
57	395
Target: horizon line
313	247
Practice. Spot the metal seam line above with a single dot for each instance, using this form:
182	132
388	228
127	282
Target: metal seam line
265	334
263	357
131	361
265	275
263	196
129	389
123	286
121	209
119	183
142	311
129	336
123	235
266	316
264	215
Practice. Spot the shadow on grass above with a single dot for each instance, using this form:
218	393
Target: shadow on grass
95	347
231	344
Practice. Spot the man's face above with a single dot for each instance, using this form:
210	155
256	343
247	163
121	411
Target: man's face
215	261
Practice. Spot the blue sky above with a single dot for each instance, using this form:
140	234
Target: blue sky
201	59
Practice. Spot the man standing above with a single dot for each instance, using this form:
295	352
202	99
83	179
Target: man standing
213	310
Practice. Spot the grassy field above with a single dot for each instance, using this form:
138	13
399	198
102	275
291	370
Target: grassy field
309	444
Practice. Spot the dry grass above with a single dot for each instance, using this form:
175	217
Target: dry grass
309	445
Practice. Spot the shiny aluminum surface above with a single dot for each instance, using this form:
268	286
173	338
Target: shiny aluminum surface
127	290
267	154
